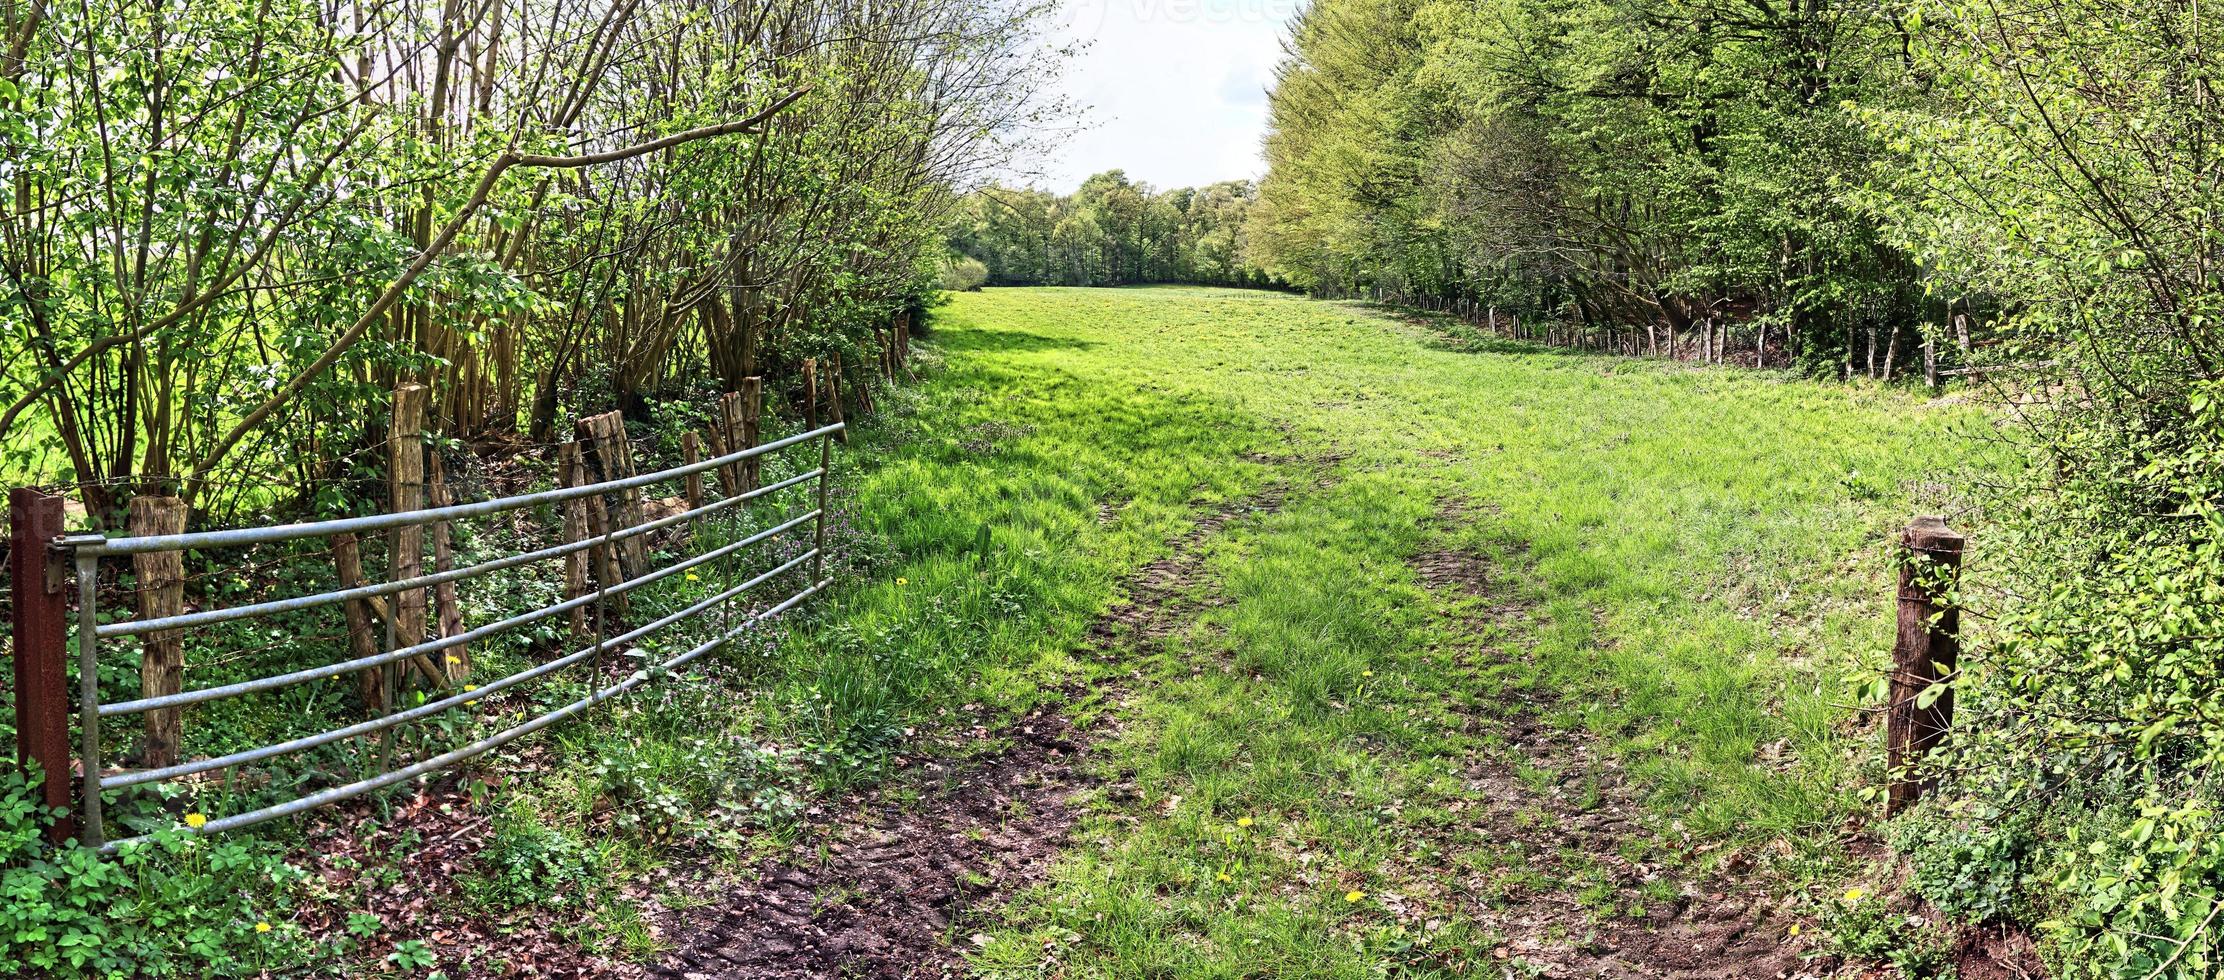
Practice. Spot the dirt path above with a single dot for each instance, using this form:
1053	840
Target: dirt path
1560	825
892	882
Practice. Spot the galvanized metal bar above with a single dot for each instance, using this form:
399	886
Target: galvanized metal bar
88	686
237	537
431	708
476	748
818	535
437	645
296	604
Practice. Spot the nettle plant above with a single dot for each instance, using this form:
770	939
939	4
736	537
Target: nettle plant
177	905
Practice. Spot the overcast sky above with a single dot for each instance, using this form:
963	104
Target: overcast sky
1176	88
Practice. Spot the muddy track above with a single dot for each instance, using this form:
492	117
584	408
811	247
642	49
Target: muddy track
882	891
1565	893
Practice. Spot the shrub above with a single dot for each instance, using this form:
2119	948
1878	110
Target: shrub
178	905
964	274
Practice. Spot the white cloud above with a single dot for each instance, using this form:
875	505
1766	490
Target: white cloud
1176	88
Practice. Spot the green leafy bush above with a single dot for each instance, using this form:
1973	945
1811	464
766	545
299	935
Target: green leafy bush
964	274
180	905
1969	861
527	862
1870	927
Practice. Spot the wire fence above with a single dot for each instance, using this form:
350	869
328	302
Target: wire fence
719	538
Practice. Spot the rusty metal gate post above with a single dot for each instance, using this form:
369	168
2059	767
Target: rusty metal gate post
41	608
1926	653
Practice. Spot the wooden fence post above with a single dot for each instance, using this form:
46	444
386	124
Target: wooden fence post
457	659
752	429
810	393
834	394
1925	654
571	472
691	450
611	453
729	421
405	453
347	561
161	592
37	616
716	436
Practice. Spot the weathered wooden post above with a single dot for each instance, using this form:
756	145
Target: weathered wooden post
457	659
834	395
729	421
571	472
691	451
405	455
811	393
610	452
161	592
37	618
752	428
1925	654
347	561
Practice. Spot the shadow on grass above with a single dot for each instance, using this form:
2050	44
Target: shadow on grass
1461	337
1005	341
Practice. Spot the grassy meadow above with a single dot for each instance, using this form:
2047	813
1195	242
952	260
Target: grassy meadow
1683	570
1701	554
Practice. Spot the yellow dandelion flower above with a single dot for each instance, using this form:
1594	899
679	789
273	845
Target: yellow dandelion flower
456	660
903	581
1222	878
262	927
1854	894
692	578
1243	821
468	688
195	820
1366	673
1794	930
1353	896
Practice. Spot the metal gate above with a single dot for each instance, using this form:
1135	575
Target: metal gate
736	613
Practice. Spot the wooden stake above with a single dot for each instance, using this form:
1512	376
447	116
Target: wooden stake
1925	654
458	657
729	419
405	449
161	592
752	428
691	449
347	560
571	472
611	456
811	392
834	394
718	449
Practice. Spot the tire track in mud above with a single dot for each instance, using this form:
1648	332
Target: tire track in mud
890	885
1559	812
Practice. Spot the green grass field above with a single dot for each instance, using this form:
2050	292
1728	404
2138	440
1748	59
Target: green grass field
1699	557
1486	651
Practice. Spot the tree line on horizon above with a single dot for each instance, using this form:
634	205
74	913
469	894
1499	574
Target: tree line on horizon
1111	231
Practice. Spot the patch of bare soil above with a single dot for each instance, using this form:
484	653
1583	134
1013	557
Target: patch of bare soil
891	884
1562	824
1997	952
408	871
886	887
